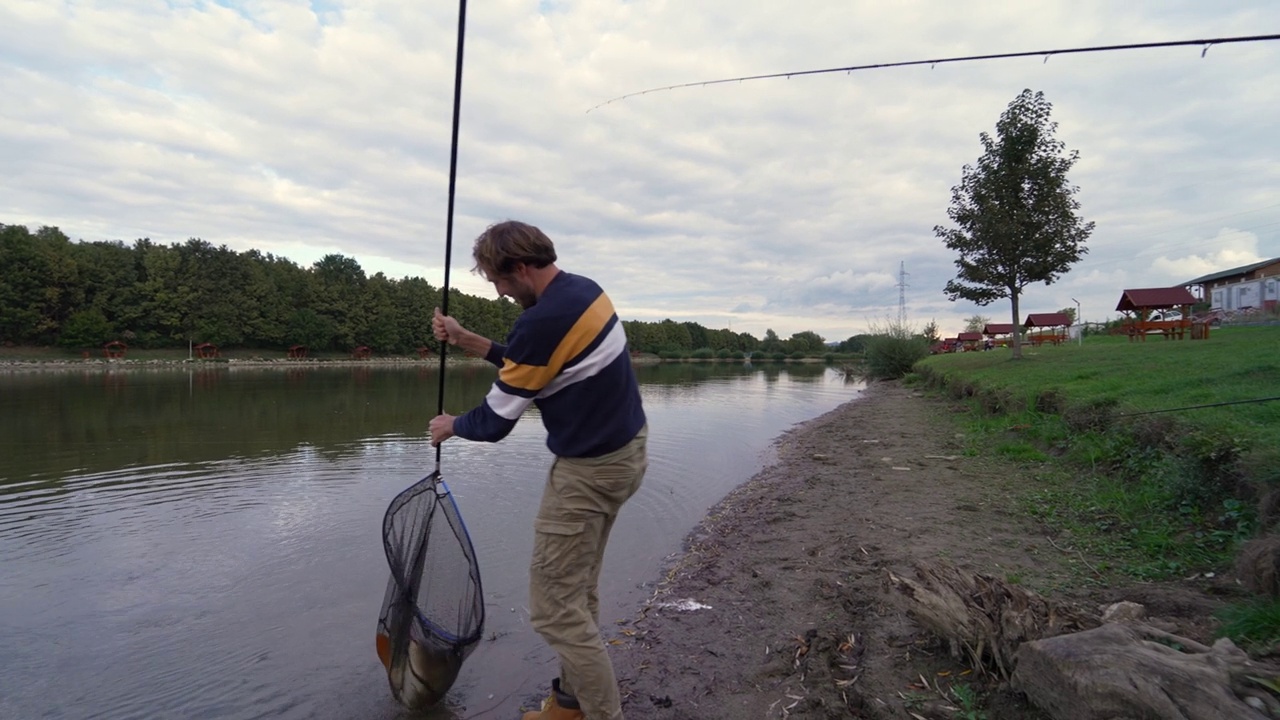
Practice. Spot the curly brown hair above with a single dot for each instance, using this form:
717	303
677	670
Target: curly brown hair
503	245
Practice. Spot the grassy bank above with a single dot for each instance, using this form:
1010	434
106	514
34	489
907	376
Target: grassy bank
1158	459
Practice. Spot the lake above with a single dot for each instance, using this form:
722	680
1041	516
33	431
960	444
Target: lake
206	542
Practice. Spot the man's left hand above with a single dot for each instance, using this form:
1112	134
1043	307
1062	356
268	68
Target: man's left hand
441	429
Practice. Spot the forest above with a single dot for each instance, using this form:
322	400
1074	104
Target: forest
80	295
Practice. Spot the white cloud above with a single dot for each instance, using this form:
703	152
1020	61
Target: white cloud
1229	248
303	128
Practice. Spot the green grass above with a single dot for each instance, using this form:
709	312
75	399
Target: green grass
1154	496
1254	625
1239	363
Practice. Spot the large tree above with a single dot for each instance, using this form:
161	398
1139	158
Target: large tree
1014	211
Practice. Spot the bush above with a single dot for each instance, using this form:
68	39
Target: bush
724	353
777	356
702	354
738	355
797	355
892	350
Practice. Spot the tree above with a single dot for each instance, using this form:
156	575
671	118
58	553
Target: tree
1015	212
1071	312
976	323
930	332
807	341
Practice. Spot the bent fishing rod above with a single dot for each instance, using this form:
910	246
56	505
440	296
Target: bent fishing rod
1206	43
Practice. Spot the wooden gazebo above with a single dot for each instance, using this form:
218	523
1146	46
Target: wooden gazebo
297	352
114	349
206	351
969	340
1140	304
1053	327
998	333
361	353
424	353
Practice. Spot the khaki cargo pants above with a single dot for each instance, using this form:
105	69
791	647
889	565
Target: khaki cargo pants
579	504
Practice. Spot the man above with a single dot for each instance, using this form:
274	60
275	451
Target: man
567	353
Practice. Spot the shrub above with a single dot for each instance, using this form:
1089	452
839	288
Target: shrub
892	350
703	353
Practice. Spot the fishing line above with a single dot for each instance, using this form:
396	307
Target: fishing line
969	58
448	229
1197	407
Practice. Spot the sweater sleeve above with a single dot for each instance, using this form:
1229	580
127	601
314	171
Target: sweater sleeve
497	351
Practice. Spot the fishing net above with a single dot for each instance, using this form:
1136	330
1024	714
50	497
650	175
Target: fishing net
433	612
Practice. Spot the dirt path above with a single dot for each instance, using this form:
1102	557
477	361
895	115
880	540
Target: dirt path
779	607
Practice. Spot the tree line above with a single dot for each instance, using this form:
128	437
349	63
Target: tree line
80	295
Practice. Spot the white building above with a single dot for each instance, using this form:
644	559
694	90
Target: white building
1255	286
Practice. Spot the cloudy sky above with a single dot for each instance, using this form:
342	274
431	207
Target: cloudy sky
304	128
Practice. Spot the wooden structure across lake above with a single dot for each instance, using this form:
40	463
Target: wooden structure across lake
1143	316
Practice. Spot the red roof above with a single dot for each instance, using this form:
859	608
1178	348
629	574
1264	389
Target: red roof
1155	298
965	336
997	329
1047	320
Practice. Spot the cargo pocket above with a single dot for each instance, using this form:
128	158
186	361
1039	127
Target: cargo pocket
558	550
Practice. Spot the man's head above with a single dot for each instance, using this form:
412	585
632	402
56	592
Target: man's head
515	257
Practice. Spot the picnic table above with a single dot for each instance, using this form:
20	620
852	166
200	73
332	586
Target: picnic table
1053	338
1139	328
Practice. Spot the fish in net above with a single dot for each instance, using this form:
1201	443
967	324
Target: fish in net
433	612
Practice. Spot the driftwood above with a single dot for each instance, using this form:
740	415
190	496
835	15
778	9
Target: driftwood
986	616
1136	671
1072	668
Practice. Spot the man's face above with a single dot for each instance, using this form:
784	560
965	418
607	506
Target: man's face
516	285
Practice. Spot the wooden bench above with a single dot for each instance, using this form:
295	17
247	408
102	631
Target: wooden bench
1041	338
1169	329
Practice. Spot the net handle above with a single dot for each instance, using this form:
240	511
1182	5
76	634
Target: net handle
448	231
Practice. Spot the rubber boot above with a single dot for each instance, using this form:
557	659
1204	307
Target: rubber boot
557	707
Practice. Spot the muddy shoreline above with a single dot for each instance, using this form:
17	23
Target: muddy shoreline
779	605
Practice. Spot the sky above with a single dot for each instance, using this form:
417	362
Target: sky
304	128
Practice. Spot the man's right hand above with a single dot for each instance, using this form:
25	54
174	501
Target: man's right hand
446	328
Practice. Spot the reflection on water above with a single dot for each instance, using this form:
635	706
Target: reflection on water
205	543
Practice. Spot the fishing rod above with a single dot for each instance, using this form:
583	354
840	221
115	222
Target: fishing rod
1207	43
448	228
1198	407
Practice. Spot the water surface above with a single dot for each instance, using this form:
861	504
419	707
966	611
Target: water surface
205	543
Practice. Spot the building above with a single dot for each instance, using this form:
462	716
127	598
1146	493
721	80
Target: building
1254	286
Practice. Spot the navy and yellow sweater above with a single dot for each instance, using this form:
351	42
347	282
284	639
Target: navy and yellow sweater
568	355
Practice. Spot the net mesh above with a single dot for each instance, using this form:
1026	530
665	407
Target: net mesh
433	611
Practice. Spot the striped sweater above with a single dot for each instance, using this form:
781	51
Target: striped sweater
568	355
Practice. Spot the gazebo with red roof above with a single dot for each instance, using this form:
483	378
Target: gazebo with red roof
1052	321
970	340
1142	301
998	332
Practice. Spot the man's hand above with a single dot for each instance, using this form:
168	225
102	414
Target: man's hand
441	428
446	328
